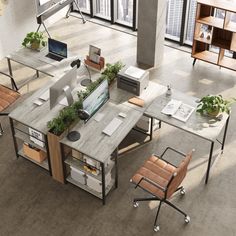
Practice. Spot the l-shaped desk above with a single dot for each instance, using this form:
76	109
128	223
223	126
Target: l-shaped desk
97	145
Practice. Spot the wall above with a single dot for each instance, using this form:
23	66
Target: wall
19	18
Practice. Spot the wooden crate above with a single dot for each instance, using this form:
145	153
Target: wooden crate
34	153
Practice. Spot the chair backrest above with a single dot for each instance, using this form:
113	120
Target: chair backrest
179	175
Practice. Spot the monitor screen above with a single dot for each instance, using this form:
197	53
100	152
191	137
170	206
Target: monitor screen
57	90
57	47
97	98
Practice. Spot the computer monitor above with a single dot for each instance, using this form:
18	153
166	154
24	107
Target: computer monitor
96	99
57	47
62	88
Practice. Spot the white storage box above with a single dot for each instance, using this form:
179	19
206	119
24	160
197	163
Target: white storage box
96	184
77	175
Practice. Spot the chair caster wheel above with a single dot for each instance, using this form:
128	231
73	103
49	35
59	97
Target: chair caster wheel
187	219
182	191
156	228
135	204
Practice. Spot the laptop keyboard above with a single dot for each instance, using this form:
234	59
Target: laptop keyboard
54	57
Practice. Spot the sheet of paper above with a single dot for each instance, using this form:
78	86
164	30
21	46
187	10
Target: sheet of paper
171	107
135	72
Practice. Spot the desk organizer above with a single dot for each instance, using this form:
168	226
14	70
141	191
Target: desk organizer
34	153
94	65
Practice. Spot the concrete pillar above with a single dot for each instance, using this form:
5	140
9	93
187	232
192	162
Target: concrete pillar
151	32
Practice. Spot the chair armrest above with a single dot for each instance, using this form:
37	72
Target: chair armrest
150	182
12	80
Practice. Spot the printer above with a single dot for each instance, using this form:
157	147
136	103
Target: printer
133	79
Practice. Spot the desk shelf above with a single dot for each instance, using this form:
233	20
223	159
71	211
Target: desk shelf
44	164
90	190
26	138
78	164
74	172
21	135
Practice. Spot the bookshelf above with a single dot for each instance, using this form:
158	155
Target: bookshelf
215	33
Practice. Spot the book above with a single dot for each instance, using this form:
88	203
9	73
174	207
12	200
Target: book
178	110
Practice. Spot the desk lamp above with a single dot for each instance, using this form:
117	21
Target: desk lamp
75	135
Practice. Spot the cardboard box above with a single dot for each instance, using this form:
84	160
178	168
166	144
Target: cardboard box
34	153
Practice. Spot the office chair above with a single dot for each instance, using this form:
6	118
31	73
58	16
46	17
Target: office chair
7	97
162	179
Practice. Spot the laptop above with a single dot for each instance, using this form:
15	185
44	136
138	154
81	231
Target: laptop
56	50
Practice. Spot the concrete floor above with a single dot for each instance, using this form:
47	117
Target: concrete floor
33	204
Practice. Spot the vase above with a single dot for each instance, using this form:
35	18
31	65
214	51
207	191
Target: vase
213	113
34	46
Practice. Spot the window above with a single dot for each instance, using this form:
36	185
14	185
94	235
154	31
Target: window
191	21
103	8
125	12
174	19
84	5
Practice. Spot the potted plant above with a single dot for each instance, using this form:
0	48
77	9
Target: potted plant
34	40
212	105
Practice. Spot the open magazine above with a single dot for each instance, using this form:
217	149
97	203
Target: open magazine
178	110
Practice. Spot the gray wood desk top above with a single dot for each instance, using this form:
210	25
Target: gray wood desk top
36	116
196	122
31	58
148	95
93	142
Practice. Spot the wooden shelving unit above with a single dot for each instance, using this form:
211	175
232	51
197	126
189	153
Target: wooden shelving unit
215	26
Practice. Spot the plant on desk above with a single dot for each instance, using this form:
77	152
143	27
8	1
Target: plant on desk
66	117
34	40
111	71
212	105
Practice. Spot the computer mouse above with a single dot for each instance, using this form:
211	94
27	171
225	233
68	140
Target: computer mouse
75	63
83	114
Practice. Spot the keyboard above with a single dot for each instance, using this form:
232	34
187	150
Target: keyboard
54	57
112	126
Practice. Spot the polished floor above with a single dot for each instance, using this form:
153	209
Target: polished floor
33	204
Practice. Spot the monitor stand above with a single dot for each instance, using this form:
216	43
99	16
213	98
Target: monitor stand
68	94
73	136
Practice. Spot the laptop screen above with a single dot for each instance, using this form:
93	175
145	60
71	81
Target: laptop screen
57	47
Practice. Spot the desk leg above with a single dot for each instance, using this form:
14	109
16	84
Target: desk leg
151	129
116	168
209	162
103	185
13	136
10	70
225	133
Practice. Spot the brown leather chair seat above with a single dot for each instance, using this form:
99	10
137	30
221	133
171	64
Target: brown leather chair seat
7	97
156	170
